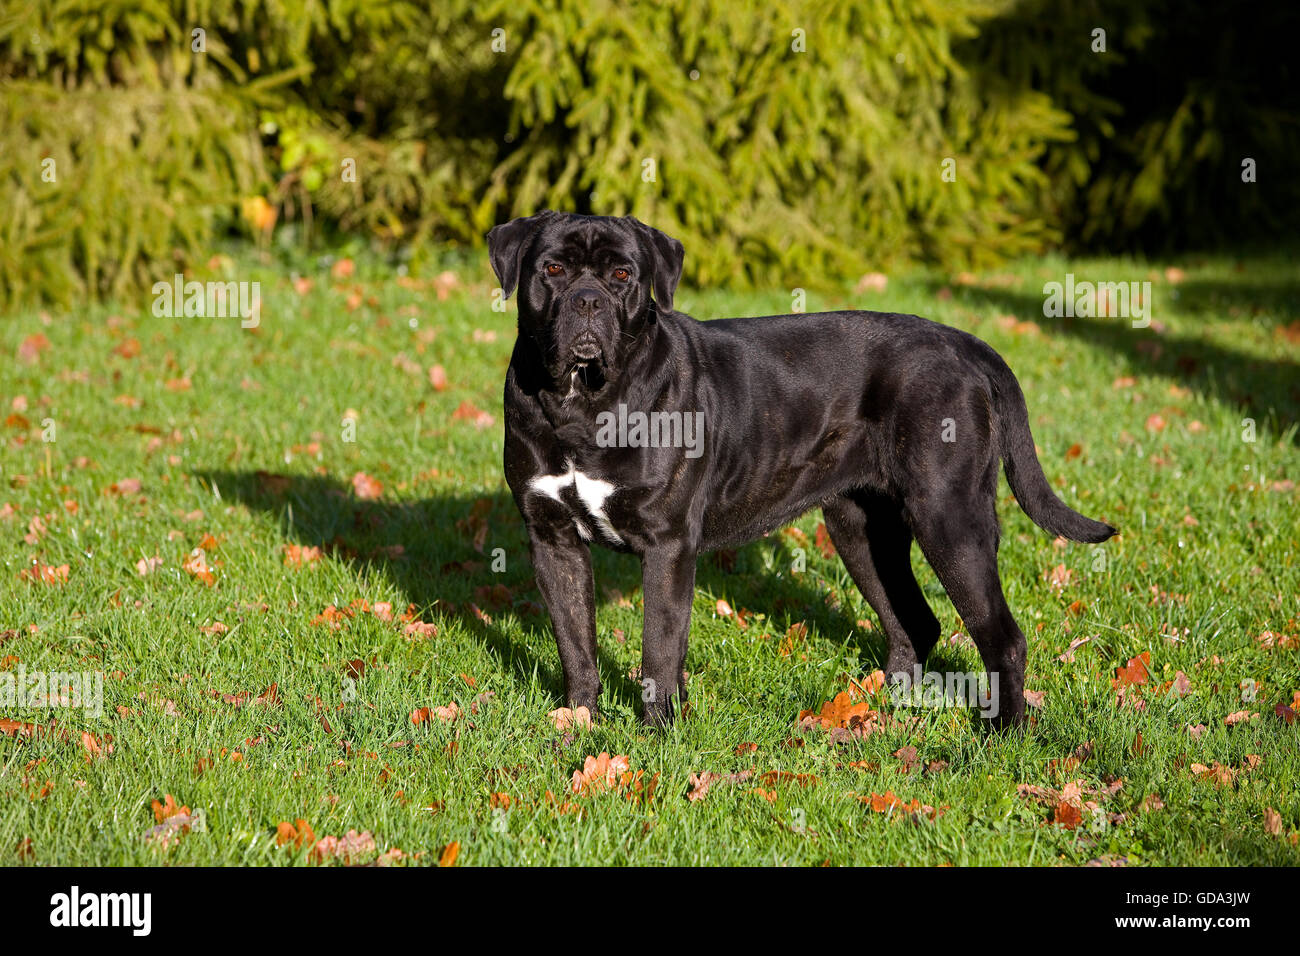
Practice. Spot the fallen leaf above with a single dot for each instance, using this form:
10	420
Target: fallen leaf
1059	578
420	629
599	773
168	808
346	849
1134	672
822	538
872	281
365	487
445	714
46	574
31	348
1067	815
297	555
467	412
701	783
565	718
1272	822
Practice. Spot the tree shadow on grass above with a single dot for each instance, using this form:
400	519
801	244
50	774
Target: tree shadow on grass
428	549
1266	389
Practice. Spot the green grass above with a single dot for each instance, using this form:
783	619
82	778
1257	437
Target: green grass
1209	550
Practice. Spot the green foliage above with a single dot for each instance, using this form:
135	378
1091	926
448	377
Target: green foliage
1164	117
797	143
122	153
788	143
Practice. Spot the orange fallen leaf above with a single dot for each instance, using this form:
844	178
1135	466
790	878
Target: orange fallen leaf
565	718
445	714
599	773
299	833
701	783
17	728
197	565
95	746
297	556
1134	672
842	712
467	412
1059	578
168	808
420	629
794	634
822	538
46	574
31	348
347	848
1068	815
365	487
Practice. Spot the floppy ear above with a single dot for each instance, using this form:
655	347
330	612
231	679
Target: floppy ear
669	254
507	244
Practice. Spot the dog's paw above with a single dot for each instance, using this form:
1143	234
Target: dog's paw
1006	723
658	713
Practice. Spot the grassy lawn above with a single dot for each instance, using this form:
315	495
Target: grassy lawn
177	434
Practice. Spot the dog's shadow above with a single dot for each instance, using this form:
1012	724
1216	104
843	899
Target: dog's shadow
465	557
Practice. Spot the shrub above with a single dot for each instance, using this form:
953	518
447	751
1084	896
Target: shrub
796	143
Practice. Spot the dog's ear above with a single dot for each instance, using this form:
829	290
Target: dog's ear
507	244
668	253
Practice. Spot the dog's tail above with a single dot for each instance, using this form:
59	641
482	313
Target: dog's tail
1025	474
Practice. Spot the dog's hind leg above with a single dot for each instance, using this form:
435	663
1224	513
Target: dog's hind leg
962	547
875	545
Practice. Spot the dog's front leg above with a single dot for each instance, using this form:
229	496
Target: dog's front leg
668	586
562	564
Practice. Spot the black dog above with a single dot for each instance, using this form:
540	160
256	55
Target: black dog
892	424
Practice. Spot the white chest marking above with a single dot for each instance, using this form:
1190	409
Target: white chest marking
592	492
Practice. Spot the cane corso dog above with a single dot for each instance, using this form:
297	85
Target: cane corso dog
641	429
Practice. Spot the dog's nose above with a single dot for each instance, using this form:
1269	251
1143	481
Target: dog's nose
588	301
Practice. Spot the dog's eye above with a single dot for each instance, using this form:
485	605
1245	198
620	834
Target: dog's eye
622	275
554	270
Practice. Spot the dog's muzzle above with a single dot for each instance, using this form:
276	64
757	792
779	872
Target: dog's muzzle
585	348
587	361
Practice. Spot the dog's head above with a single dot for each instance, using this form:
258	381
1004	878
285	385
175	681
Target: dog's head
585	284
